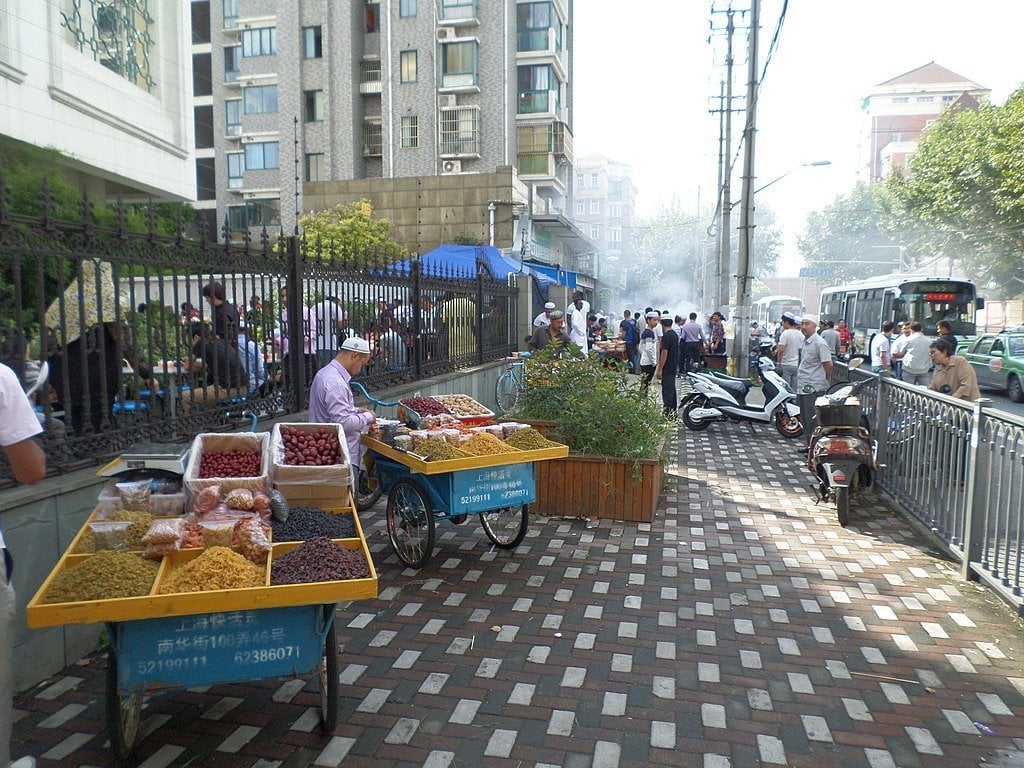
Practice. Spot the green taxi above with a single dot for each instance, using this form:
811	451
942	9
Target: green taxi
998	360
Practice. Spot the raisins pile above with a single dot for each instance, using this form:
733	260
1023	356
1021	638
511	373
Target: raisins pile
319	559
306	523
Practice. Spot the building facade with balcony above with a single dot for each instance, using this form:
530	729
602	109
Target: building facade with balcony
105	83
315	103
899	110
604	204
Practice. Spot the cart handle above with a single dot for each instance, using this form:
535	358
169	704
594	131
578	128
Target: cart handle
371	398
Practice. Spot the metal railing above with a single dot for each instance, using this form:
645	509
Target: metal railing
958	468
114	310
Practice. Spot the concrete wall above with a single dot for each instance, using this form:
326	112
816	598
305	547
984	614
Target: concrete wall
426	211
40	521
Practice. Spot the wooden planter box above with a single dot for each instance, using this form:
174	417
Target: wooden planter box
597	486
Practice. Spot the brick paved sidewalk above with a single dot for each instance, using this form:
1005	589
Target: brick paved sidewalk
743	628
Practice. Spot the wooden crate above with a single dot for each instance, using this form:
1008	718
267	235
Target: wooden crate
597	486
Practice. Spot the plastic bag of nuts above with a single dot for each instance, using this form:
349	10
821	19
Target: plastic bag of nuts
252	537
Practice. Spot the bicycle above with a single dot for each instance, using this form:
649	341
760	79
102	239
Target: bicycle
368	488
510	385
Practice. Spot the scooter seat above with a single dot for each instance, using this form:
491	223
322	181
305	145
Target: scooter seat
738	386
727	377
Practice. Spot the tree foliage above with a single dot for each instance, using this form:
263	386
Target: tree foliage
963	194
349	231
848	234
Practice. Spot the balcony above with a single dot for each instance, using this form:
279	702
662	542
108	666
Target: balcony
540	104
458	13
369	77
542	46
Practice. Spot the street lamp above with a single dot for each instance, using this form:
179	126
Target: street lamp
763	187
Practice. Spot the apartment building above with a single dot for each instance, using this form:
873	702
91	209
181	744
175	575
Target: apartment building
452	116
604	201
899	110
107	85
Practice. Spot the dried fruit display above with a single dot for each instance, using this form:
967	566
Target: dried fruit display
229	464
310	448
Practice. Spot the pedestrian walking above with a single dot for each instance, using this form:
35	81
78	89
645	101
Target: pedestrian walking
576	320
813	373
630	335
648	350
692	344
917	361
788	354
716	341
831	337
953	374
881	349
946	332
668	363
845	339
897	348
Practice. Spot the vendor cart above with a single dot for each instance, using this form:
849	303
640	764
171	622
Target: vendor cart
181	640
498	488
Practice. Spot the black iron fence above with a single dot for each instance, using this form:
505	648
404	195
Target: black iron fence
144	337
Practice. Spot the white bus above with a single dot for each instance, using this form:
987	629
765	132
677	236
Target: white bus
768	309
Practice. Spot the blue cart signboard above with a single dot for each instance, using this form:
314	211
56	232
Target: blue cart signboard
477	490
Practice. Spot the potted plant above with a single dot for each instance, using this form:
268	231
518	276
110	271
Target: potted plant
616	434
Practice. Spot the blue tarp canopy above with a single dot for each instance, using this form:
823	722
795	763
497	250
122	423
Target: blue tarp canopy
463	259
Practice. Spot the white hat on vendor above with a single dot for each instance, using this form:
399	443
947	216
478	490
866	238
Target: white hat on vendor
356	344
549	305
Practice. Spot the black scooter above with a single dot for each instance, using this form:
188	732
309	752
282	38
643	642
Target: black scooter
842	454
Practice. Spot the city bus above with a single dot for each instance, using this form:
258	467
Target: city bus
768	309
866	304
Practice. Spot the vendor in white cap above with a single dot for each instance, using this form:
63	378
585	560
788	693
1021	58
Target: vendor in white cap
330	397
543	320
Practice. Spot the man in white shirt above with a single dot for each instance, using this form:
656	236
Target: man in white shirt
18	425
813	374
881	348
576	319
896	346
543	320
788	355
917	361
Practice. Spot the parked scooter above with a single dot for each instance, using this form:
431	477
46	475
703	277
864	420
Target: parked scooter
842	454
717	397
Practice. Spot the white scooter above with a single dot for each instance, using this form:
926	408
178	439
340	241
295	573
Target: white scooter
724	398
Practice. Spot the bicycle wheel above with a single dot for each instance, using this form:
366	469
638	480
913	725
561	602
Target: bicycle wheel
124	713
368	486
506	393
327	676
410	523
506	527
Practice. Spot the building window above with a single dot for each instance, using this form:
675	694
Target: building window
460	131
232	63
261	156
595	205
615	234
259	42
538	89
948	99
407	9
233	115
206	178
116	35
534	24
409	62
615	210
201	22
579	181
458	9
373	140
316	166
900	99
236	169
594	181
581	207
369	71
595	232
312	43
230	13
314	106
202	74
458	64
924	99
410	132
204	126
897	137
263	213
372	15
260	99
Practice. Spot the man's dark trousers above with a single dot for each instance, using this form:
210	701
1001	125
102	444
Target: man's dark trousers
668	393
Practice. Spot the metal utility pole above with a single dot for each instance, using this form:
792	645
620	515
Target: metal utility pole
725	242
705	294
741	317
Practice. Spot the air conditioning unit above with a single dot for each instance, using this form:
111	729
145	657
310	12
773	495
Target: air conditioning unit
234	130
451	166
447	33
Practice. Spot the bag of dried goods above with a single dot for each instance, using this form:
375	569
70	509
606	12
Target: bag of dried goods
239	498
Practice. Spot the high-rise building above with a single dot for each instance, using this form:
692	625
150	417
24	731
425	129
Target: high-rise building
105	83
453	116
899	110
604	200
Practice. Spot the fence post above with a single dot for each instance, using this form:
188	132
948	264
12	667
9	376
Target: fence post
480	314
974	514
296	331
880	428
417	321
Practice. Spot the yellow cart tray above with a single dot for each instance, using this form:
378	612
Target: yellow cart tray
155	605
416	464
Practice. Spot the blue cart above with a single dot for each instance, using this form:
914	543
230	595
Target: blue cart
498	488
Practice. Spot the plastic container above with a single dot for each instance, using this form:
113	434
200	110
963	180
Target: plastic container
135	495
403	442
110	534
108	502
167	504
451	436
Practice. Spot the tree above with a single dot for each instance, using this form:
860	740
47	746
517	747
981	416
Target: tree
848	235
349	231
962	196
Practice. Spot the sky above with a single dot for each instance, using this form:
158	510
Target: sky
643	90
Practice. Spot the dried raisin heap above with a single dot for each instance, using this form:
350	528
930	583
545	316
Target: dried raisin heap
306	523
434	449
318	559
528	439
216	568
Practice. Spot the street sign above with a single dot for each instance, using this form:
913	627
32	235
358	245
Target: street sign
813	272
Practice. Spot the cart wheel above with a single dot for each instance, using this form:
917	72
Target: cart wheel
368	486
124	714
506	527
410	524
327	672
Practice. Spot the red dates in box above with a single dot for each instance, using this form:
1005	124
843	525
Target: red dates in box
229	464
424	406
317	448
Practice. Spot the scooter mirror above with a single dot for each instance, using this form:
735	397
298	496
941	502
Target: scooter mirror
857	362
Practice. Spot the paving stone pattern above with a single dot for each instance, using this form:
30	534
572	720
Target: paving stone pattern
742	628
